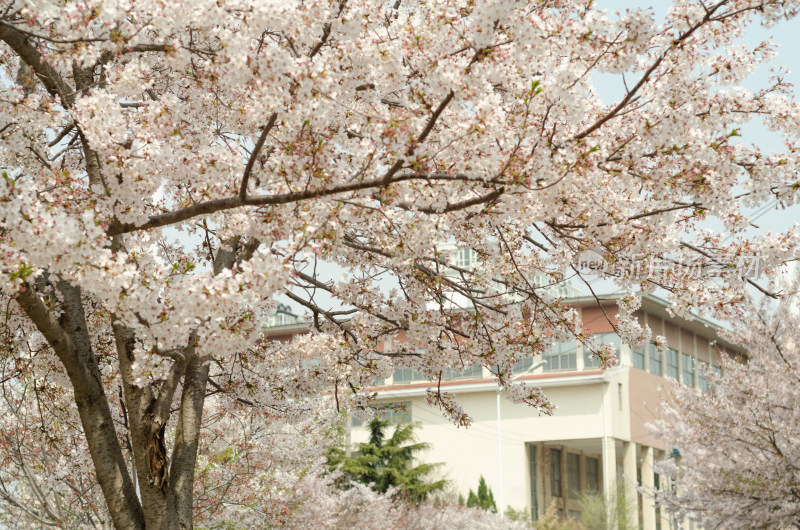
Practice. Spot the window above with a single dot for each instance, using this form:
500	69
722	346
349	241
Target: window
282	316
672	363
561	357
638	359
702	382
687	369
395	412
464	258
655	359
573	475
476	370
555	472
523	365
598	339
592	474
534	480
407	375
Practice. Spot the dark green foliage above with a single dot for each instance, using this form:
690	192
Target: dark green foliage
483	499
385	463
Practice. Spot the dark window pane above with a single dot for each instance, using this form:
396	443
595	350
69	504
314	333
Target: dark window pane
702	382
555	472
672	363
687	369
638	359
655	360
573	475
592	474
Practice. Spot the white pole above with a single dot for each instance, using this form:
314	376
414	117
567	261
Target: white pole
499	456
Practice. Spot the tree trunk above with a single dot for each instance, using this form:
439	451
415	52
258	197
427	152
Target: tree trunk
69	340
184	456
137	401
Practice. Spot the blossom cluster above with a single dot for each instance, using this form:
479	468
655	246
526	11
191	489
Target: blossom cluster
173	171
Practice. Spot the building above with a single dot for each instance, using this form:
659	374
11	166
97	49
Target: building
597	438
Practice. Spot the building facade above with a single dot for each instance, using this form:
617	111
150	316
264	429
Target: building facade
596	440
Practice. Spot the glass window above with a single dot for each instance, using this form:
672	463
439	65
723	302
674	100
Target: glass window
573	475
638	359
592	474
687	370
470	371
598	339
655	359
534	480
523	365
555	472
407	375
702	382
561	357
464	258
672	363
396	412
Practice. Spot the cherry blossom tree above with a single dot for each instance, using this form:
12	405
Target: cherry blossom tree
174	170
739	442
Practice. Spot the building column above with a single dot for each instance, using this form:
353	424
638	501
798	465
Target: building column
609	468
631	482
648	483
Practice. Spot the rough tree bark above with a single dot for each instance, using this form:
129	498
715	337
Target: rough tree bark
70	342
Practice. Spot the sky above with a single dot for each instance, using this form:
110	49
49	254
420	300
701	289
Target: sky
786	36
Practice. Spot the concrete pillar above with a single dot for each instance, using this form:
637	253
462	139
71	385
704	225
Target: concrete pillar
609	468
629	470
648	509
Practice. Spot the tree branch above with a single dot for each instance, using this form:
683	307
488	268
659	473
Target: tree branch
256	149
646	76
53	83
228	203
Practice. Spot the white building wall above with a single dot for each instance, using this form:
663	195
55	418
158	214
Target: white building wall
472	452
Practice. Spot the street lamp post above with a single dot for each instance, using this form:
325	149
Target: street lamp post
500	436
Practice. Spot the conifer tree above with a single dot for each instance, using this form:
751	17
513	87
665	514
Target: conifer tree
483	499
389	463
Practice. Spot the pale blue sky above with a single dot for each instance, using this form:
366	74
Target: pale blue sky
786	36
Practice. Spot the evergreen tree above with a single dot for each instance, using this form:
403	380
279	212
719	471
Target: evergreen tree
389	463
483	499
